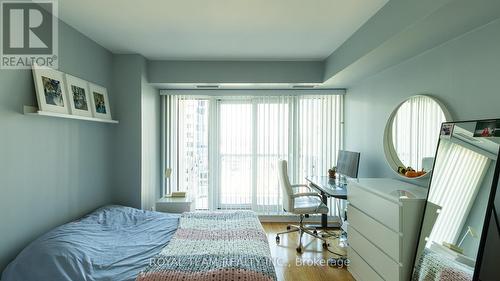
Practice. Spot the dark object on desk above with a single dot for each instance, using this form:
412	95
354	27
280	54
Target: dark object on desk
331	172
348	163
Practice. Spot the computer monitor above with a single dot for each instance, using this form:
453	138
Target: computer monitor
348	163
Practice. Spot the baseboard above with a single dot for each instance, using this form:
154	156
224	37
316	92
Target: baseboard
293	218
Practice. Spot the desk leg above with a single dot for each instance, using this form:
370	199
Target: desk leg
324	217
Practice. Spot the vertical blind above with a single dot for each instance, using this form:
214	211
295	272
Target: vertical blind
228	147
459	173
416	130
319	130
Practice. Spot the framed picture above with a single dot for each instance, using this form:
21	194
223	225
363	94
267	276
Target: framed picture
50	90
99	102
447	131
487	129
78	93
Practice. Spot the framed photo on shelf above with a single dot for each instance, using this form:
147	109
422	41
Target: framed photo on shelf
99	102
78	93
50	90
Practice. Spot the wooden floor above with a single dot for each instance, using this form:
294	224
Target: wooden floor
291	266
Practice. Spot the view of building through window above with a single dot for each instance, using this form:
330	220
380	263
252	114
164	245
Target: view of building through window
193	149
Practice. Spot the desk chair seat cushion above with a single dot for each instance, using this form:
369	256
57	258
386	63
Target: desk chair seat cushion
309	205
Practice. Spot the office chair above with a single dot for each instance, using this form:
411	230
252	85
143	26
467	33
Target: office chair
302	204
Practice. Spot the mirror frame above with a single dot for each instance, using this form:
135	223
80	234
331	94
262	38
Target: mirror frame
487	218
391	155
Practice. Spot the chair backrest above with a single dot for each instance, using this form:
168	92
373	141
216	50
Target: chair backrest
285	185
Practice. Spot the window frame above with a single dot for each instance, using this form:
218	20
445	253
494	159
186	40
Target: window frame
214	134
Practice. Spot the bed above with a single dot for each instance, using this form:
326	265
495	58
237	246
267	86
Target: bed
122	243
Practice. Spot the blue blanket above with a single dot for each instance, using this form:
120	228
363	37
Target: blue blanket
111	243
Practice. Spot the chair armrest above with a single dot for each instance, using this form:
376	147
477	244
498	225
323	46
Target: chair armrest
303	194
298	186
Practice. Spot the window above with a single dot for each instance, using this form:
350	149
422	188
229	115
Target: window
193	149
228	147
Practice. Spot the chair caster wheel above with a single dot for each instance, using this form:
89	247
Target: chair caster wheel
325	246
299	250
277	239
288	227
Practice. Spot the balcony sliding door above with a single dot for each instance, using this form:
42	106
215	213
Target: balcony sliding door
235	154
253	135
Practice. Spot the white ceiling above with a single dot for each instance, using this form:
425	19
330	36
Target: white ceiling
220	29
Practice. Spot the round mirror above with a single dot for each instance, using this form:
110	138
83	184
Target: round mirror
411	135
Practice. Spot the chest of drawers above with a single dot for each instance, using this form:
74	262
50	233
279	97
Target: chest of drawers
384	218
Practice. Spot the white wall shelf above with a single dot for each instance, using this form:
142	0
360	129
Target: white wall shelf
31	110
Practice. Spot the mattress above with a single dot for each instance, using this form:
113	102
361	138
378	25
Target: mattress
111	243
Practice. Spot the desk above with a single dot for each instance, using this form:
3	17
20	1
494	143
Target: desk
327	188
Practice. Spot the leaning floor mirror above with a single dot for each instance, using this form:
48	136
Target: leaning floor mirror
460	202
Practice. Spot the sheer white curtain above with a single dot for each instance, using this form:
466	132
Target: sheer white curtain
415	130
233	171
227	147
170	124
319	134
272	139
457	177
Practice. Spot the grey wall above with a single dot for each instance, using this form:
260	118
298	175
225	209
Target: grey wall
392	19
150	150
401	30
235	72
127	84
463	73
136	149
51	170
